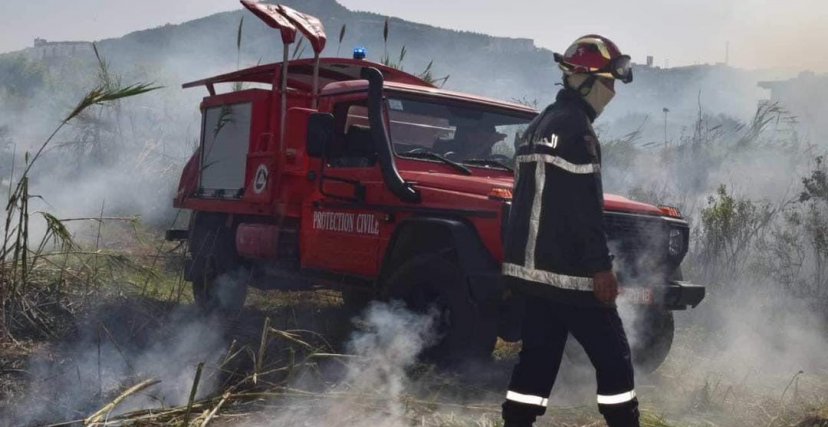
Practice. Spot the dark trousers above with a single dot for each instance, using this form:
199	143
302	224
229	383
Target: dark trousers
546	325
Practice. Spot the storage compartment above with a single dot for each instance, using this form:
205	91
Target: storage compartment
225	135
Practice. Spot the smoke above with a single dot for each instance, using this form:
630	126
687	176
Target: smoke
125	156
122	344
753	246
371	392
768	337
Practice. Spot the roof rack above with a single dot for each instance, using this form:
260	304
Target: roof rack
300	74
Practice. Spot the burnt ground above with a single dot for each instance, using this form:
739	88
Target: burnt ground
122	332
106	345
101	349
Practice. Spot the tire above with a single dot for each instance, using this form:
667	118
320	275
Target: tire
655	329
225	293
218	281
650	335
429	283
355	300
654	338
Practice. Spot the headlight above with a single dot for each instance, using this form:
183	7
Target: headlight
676	244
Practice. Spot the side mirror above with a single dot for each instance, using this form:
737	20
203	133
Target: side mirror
320	134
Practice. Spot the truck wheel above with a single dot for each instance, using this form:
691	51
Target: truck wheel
650	336
429	282
218	282
355	300
655	329
225	292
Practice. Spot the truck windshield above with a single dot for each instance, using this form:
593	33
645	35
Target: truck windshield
466	134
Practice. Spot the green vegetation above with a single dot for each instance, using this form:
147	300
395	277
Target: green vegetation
18	259
728	228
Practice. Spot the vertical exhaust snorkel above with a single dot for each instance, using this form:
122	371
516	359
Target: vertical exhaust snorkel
288	22
283	108
382	141
313	30
273	16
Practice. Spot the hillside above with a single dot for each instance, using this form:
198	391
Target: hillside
498	67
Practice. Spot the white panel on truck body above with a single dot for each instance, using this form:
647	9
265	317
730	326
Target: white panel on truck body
225	137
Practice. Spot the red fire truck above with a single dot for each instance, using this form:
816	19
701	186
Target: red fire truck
348	174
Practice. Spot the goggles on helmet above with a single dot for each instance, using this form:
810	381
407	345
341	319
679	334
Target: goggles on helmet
619	68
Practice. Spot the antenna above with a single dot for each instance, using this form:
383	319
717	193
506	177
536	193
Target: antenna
727	53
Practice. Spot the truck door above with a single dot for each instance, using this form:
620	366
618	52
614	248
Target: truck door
342	230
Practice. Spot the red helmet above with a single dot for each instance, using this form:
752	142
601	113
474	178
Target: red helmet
596	55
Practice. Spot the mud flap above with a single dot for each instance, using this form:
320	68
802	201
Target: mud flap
194	268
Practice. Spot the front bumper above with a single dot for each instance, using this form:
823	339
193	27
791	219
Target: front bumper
488	292
674	295
678	295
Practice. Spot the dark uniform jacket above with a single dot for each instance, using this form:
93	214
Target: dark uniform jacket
555	238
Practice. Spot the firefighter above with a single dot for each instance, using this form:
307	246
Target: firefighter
556	254
473	141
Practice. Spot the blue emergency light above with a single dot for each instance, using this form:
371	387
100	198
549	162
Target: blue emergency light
359	53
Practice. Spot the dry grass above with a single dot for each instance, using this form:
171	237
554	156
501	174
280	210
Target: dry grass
20	251
139	285
259	371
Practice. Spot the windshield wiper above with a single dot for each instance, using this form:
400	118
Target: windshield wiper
489	162
432	155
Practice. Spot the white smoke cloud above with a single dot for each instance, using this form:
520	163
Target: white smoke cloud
117	348
371	392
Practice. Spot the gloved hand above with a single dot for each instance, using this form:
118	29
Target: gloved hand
605	286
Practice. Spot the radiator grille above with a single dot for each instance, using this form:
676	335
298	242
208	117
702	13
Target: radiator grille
638	242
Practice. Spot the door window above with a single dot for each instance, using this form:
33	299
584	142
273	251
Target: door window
353	145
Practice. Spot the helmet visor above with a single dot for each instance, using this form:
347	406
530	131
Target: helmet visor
621	68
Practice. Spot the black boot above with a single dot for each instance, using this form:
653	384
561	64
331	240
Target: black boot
623	415
519	421
520	415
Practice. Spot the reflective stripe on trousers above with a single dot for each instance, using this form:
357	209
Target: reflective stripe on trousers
526	398
616	399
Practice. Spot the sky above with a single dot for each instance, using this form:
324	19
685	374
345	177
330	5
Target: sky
785	34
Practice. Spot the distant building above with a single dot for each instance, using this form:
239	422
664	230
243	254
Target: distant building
509	45
47	49
804	97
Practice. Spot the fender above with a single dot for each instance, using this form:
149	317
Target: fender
188	183
420	235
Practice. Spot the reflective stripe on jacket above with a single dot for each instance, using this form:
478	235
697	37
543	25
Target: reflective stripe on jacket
555	238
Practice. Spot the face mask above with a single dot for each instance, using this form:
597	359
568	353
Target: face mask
598	96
